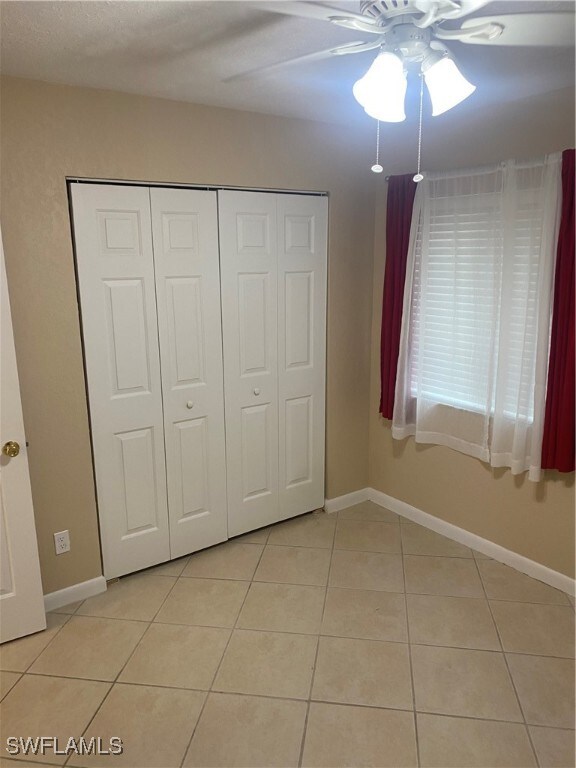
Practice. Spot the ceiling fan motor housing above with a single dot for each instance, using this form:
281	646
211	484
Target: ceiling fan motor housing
432	10
412	43
380	10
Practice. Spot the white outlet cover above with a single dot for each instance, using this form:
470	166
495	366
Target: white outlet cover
62	542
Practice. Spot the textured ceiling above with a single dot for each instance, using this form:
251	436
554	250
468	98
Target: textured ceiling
189	50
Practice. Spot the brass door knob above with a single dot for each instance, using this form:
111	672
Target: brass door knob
11	448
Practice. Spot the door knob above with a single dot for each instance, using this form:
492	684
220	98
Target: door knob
190	404
256	391
11	449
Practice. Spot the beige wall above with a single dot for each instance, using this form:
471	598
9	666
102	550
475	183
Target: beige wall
534	519
49	132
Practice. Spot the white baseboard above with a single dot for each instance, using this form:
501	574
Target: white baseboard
348	500
462	536
76	592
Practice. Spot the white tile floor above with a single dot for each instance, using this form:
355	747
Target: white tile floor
355	639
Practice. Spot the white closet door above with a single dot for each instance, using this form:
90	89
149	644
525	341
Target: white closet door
185	236
302	247
249	266
113	236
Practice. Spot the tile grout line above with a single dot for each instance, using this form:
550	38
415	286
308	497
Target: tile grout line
318	635
392	591
526	729
215	675
48	644
9	671
300	634
111	684
331	702
130	655
301	584
563	602
414	710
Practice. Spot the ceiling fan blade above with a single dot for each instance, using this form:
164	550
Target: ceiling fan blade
455	9
468	6
522	29
438	10
366	25
344	50
308	10
355	47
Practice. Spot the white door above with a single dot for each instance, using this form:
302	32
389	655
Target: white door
21	600
112	229
185	237
302	248
249	266
273	262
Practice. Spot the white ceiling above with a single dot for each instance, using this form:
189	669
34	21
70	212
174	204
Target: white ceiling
187	50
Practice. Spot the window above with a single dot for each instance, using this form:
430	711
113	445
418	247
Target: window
476	319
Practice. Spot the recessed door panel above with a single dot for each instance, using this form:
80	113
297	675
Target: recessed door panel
192	446
256	455
128	345
180	233
253	300
185	235
119	326
299	235
119	233
138	477
299	321
253	233
185	330
299	443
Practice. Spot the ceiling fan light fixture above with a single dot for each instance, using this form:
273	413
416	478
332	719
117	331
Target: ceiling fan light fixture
381	91
447	86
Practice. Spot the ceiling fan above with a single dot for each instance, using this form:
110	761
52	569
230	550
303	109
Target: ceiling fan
410	36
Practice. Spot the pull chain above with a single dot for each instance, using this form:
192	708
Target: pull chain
377	168
419	176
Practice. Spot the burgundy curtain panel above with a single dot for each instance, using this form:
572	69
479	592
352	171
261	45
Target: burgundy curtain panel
558	439
401	191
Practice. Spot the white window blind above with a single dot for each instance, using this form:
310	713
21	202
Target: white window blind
476	321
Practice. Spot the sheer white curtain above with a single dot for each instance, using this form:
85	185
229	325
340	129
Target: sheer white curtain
476	322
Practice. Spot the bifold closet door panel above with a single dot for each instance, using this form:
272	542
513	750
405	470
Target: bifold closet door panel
112	230
249	267
302	250
185	237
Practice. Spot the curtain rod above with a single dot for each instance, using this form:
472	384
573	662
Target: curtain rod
529	163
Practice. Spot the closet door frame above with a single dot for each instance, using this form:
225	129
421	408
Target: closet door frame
281	401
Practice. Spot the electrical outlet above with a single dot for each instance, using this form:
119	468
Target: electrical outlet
62	542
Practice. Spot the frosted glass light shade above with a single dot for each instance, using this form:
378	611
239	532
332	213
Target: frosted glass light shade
382	89
447	85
